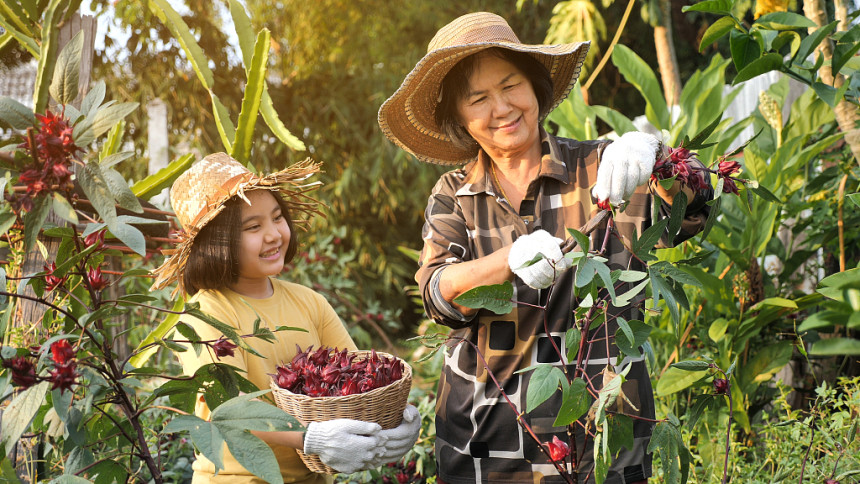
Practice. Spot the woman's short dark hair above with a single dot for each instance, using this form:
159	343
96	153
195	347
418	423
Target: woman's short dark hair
455	86
214	259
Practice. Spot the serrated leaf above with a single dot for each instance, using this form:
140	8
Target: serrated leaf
543	383
16	114
106	118
254	87
575	403
64	85
496	298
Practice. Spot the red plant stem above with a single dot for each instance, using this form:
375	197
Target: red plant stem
31	137
562	472
729	433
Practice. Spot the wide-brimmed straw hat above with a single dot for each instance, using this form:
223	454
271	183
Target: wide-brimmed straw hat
199	194
407	118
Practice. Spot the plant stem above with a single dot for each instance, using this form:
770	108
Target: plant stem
728	430
808	448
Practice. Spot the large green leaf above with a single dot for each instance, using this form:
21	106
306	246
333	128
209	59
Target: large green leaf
575	402
617	121
47	56
96	189
630	346
245	413
107	118
34	219
836	347
784	21
716	31
722	7
675	379
120	190
766	63
153	184
765	362
64	85
254	455
744	49
811	42
173	21
543	383
638	73
496	298
93	98
251	100
649	238
19	413
674	457
16	114
205	436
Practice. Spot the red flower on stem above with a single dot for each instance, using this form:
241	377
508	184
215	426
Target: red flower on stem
96	238
52	281
721	386
23	371
729	186
728	168
223	348
96	279
558	450
62	352
63	376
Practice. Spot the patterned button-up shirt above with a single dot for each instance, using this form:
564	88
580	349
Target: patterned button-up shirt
478	438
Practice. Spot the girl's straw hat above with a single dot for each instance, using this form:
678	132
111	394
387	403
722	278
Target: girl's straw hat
407	117
199	194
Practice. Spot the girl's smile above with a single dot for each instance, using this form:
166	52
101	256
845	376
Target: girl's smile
262	248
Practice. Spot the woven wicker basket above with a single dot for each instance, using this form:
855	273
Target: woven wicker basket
383	405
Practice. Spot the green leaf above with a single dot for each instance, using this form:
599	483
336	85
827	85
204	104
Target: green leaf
675	380
96	189
153	184
93	99
243	413
110	146
649	238
128	234
47	56
19	413
712	217
542	384
34	219
225	329
638	73
254	455
575	402
16	114
23	39
679	210
722	7
251	100
764	193
744	49
629	345
718	329
71	478
784	21
582	240
836	347
64	209
811	42
120	190
64	86
572	339
829	94
620	433
691	365
766	63
625	298
854	197
765	362
779	302
7	220
496	298
107	118
109	161
716	31
173	21
205	436
223	122
618	122
673	455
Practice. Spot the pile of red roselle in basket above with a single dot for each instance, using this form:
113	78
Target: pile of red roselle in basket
328	372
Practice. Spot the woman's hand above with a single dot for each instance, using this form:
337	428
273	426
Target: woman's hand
542	273
345	445
625	164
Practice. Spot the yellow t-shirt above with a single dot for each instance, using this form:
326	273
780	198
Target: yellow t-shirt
290	305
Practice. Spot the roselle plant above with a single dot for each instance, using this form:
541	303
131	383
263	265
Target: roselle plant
601	413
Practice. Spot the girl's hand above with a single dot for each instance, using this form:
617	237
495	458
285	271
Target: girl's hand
401	438
345	445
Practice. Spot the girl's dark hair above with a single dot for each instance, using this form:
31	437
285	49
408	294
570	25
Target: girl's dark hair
455	86
214	259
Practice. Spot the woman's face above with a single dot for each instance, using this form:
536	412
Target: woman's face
500	109
265	237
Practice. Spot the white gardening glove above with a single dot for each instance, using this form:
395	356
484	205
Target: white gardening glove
343	444
401	438
625	164
541	274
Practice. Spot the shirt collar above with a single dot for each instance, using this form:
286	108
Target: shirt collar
479	178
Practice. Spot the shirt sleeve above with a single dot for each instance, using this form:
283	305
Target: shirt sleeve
446	242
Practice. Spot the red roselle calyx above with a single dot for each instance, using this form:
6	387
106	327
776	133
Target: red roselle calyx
54	149
721	386
96	238
676	163
62	352
558	449
329	372
63	376
23	371
96	279
52	281
223	348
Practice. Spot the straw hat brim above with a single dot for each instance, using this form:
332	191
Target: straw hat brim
290	182
407	118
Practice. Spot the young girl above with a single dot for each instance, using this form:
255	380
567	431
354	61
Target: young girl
239	233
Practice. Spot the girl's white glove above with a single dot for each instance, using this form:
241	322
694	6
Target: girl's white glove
625	164
345	445
401	438
541	274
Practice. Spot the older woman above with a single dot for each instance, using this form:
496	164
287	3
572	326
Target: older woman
478	97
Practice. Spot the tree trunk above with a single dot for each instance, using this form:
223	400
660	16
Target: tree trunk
846	113
666	59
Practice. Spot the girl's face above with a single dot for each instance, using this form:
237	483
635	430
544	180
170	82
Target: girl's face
500	109
264	242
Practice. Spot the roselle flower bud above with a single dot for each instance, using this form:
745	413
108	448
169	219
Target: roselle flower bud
558	450
402	478
729	186
63	376
728	168
721	386
96	238
52	281
350	387
60	170
97	281
23	371
330	374
223	348
62	352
